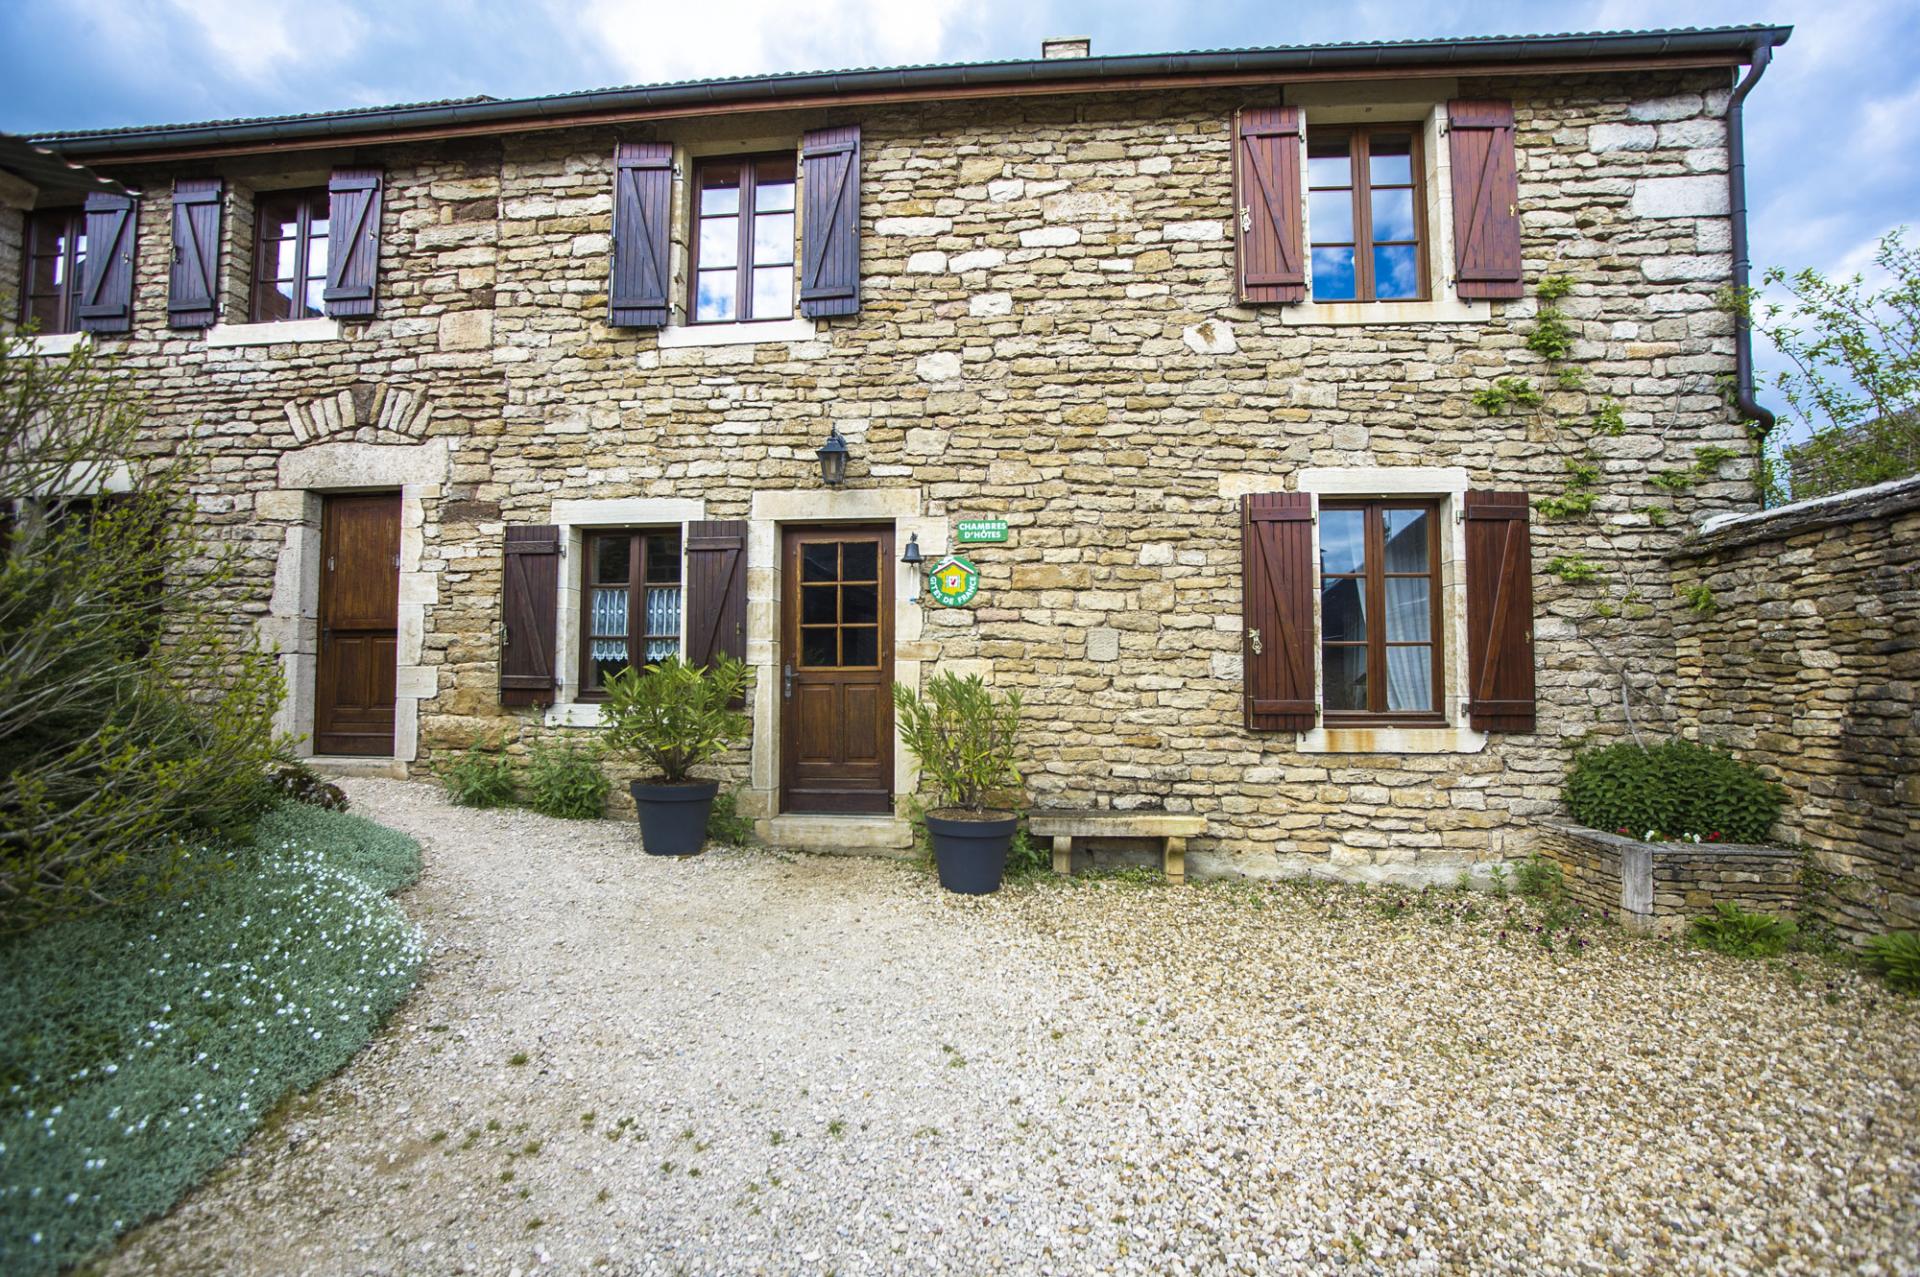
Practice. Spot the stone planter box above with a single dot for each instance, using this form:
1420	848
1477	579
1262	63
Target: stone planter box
1658	886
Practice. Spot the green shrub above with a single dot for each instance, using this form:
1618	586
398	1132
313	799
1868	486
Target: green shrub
144	1044
136	718
1896	955
478	778
296	782
1679	788
675	715
566	781
725	824
1732	930
1538	878
963	737
1028	857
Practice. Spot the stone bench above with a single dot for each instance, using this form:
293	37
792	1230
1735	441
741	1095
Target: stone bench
1171	828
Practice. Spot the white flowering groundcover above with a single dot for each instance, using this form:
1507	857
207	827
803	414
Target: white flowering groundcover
139	1048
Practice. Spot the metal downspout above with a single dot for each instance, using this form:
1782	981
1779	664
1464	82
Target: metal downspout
1748	406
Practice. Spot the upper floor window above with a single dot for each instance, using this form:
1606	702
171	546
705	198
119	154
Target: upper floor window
290	255
1366	215
56	257
743	237
1380	610
631	603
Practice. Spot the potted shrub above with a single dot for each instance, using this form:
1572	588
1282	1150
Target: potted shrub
676	716
964	740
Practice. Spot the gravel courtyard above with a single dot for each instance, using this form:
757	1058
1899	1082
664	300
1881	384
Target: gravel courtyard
754	1063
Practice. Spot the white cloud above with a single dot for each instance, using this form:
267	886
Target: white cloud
647	42
262	44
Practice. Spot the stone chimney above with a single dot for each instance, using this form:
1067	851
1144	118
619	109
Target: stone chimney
1066	46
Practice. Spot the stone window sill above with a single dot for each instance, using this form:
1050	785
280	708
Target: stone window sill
283	332
576	714
1441	310
1392	740
58	343
691	336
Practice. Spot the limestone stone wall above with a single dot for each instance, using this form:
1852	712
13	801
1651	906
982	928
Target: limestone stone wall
1660	887
1048	334
1806	660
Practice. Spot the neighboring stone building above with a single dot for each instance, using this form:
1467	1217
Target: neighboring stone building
546	401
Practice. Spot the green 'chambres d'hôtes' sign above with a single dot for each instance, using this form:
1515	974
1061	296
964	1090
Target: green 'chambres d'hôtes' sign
974	531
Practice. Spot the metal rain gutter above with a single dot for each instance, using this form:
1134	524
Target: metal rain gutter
1749	407
1066	72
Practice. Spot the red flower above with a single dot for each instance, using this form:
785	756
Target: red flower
1714	836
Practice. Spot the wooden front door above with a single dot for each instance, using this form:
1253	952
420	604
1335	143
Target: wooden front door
359	624
836	696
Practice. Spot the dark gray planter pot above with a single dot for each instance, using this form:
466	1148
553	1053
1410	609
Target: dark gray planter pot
673	818
971	854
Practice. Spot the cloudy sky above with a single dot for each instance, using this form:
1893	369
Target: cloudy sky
1834	131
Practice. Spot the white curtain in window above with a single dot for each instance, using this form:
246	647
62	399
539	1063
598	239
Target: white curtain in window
663	622
610	619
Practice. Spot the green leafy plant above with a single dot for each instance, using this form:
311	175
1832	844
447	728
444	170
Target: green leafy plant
1610	419
1552	288
478	778
725	824
566	781
1508	392
1731	930
1700	599
1680	787
675	715
1656	515
1852	375
1673	480
1552	336
1896	956
135	723
1029	857
1710	459
963	736
1572	568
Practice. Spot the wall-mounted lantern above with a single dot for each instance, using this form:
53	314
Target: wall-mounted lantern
912	558
833	458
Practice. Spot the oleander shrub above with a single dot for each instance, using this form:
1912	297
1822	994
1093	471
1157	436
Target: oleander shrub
1896	956
1731	930
478	778
566	781
142	1045
1678	789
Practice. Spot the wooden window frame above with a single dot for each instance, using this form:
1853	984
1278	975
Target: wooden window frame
639	555
1359	140
72	223
1374	576
303	251
744	265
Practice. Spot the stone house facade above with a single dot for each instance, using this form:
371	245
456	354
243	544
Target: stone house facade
557	400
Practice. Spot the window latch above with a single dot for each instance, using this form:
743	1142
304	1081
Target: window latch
787	688
1253	641
1246	218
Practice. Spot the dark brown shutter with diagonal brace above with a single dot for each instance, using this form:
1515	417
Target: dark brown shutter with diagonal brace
529	615
1486	199
1266	202
830	251
716	590
642	212
1277	578
106	283
194	280
1499	572
353	242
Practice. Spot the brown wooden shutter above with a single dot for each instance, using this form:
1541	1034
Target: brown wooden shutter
716	615
193	283
106	285
1486	199
529	615
830	253
1266	202
642	216
1499	572
1276	565
353	242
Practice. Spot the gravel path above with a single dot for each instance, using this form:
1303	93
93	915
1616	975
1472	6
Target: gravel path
748	1062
